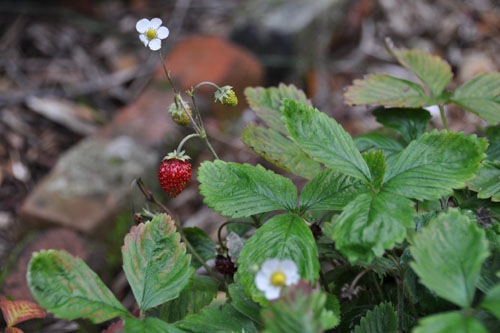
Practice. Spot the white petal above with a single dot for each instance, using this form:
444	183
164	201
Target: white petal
155	44
144	39
142	25
262	281
162	32
155	23
292	278
272	293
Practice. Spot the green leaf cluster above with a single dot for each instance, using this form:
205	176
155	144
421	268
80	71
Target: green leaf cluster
480	95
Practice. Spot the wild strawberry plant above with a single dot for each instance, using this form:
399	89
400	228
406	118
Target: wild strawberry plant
395	230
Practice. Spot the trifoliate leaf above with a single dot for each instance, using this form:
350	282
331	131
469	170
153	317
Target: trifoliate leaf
410	123
388	91
434	164
487	181
199	292
155	262
432	70
266	102
377	141
148	325
280	150
454	322
65	286
282	237
324	139
492	301
381	319
240	190
448	256
330	190
214	319
481	95
371	224
299	310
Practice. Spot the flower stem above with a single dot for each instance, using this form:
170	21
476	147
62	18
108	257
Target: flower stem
443	116
206	83
190	136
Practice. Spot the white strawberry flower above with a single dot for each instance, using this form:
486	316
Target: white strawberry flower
151	32
274	274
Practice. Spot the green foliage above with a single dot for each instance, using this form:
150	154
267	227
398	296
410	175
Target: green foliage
381	319
202	243
454	322
155	262
272	142
370	224
435	164
284	236
409	123
300	310
217	319
148	325
199	293
324	139
239	190
448	256
67	287
486	181
481	95
368	220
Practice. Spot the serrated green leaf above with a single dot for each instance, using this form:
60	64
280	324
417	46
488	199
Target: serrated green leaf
324	139
451	322
299	310
240	190
284	236
432	70
281	151
202	243
266	102
377	141
330	190
388	91
381	319
410	123
243	304
481	95
155	262
492	301
487	181
148	325
434	164
200	292
214	319
371	224
68	288
493	134
376	162
448	256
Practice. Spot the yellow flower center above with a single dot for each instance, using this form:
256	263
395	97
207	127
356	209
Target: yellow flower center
151	34
278	279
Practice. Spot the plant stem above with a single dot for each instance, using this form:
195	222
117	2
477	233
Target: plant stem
190	136
443	116
206	83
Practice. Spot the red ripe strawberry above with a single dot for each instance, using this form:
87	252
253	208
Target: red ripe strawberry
174	173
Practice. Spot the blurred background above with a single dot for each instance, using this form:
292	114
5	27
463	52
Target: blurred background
73	73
